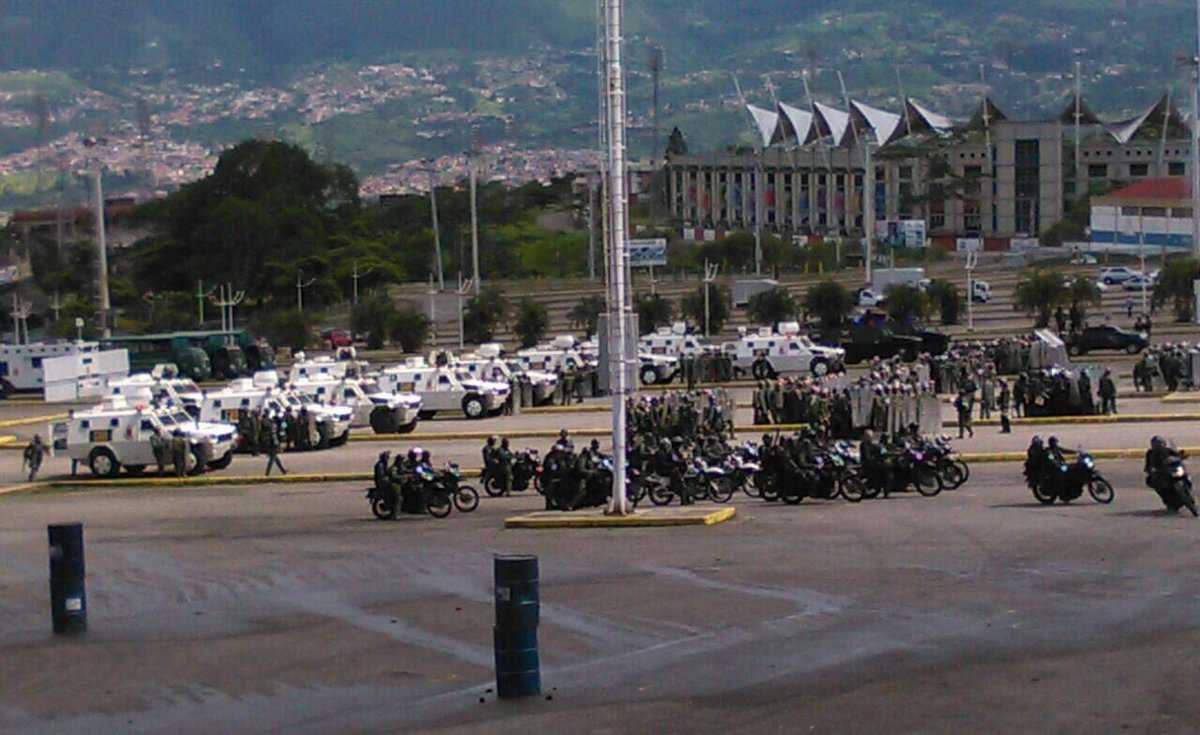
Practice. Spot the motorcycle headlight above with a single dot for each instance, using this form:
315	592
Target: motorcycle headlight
1177	471
1088	462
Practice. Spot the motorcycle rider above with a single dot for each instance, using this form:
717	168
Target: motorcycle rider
1157	457
1035	462
874	464
489	457
502	464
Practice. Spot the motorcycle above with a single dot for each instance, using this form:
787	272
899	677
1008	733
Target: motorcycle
1175	487
444	488
952	471
700	482
526	471
1066	482
910	467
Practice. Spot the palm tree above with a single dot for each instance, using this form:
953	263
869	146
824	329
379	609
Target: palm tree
830	301
585	315
1175	285
1038	294
945	297
906	303
1081	293
773	306
531	322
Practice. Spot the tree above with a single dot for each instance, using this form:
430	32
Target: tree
410	328
653	311
830	301
735	251
531	322
586	313
906	303
286	327
676	145
773	306
373	316
1038	294
483	312
1081	293
944	296
1175	285
719	304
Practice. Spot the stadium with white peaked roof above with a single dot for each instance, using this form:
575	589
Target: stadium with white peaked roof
988	177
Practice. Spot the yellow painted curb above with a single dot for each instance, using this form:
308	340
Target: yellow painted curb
1181	398
30	420
212	480
19	488
477	435
650	518
1128	453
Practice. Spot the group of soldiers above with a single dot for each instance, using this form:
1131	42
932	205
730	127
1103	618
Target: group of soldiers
686	414
892	395
172	449
1170	362
271	433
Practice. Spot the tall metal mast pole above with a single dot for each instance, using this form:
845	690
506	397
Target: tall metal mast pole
437	234
619	232
102	244
477	278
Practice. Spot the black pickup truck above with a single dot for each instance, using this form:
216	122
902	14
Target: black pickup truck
863	343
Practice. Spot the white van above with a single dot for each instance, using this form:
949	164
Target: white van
785	350
243	394
385	413
116	434
444	388
674	341
490	363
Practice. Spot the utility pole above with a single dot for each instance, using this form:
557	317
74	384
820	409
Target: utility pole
591	215
710	275
227	299
437	234
356	274
433	308
476	279
21	310
301	284
972	261
102	244
464	288
1195	162
201	295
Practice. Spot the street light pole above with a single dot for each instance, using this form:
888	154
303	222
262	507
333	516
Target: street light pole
437	233
972	261
102	244
618	242
302	284
476	279
710	275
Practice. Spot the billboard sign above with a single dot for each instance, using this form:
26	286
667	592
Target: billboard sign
648	253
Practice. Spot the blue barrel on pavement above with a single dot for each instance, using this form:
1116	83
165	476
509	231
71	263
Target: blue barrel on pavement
518	671
68	594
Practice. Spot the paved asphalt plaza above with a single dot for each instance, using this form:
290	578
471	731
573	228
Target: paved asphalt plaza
288	608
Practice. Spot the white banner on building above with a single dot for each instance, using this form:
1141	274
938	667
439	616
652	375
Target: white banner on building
1023	244
969	245
914	233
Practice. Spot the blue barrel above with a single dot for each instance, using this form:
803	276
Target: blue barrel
68	595
518	672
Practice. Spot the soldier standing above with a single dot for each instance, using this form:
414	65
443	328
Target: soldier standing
33	456
179	450
159	445
271	447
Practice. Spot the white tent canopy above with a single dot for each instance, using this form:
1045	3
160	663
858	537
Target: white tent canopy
794	124
832	122
881	122
765	121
